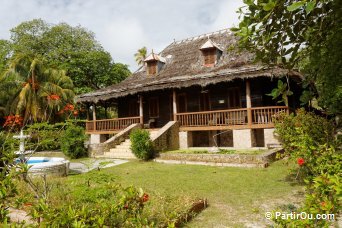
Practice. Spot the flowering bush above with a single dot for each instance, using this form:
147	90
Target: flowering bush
309	140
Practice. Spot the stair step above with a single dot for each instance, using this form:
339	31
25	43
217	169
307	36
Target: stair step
118	150
122	146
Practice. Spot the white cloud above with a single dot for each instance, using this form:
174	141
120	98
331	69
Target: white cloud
122	27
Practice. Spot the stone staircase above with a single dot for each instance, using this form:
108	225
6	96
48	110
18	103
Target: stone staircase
124	149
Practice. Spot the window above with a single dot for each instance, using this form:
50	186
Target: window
209	56
151	67
154	107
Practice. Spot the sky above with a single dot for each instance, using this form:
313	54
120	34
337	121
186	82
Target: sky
122	27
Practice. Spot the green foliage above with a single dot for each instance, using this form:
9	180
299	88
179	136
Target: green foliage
141	146
116	207
45	136
7	174
298	34
72	142
281	91
308	140
140	56
73	49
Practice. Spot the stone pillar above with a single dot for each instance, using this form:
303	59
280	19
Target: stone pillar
174	105
270	138
185	139
97	138
242	138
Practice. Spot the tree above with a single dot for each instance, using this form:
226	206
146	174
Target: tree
73	49
140	56
299	34
34	90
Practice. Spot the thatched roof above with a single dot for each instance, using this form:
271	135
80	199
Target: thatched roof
184	68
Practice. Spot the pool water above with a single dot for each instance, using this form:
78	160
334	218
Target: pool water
35	161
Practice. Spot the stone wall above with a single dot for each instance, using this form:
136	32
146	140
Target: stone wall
270	137
262	160
167	137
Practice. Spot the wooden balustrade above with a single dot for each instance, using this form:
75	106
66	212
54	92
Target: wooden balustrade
110	125
265	115
240	118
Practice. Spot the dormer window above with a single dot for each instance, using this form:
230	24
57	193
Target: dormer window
209	56
154	63
151	67
211	53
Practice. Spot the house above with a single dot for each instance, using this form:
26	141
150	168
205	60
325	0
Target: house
214	92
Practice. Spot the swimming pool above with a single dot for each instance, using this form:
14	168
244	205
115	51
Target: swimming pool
48	165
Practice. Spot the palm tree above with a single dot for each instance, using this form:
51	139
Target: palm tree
34	90
140	56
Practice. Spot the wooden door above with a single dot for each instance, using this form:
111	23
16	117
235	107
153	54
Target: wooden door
181	103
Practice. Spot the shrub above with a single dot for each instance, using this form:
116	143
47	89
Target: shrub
72	142
45	136
7	173
115	207
309	141
141	145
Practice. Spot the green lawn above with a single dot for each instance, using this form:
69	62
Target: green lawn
237	196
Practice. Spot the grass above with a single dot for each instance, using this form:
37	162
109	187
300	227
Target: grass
237	197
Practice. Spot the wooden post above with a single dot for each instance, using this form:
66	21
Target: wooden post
141	110
174	105
249	103
94	116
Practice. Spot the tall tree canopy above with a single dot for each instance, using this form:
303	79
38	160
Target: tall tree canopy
73	49
140	56
303	34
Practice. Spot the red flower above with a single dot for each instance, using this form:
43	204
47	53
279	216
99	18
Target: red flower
54	97
145	197
126	206
300	161
75	113
323	204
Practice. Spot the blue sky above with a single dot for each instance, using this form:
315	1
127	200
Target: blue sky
122	27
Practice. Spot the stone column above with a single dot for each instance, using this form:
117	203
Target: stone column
242	138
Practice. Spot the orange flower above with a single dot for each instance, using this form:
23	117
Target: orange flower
54	97
69	107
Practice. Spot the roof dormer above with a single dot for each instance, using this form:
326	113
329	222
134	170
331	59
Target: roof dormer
154	63
211	53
